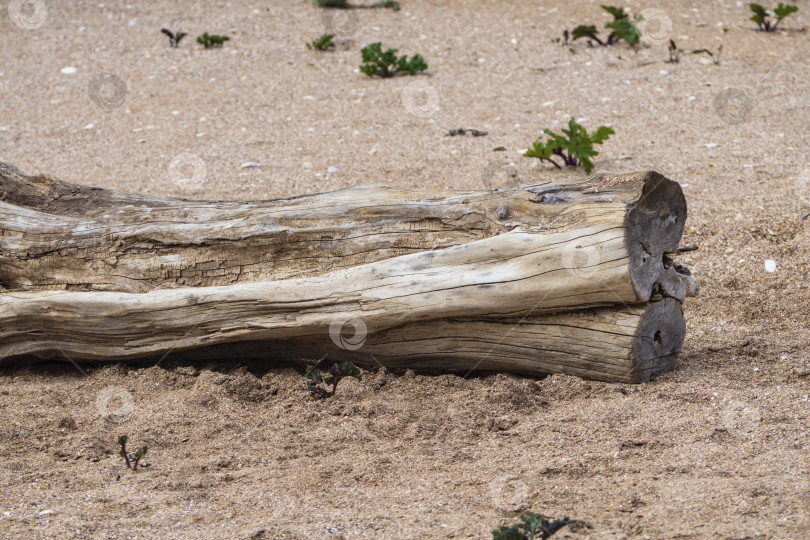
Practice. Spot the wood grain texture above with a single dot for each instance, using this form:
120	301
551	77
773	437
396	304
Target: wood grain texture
102	275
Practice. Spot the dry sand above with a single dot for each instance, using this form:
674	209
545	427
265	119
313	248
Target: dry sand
718	448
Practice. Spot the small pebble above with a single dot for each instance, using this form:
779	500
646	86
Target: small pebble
333	170
69	70
770	265
250	165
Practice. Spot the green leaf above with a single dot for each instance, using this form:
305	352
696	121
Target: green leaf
783	10
575	146
617	12
625	30
601	134
387	64
322	43
392	4
758	10
345	369
332	3
583	30
508	533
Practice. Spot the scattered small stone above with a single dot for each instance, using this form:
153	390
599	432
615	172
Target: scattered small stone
333	170
250	165
770	265
69	70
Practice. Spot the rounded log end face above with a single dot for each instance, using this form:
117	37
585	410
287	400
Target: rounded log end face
655	224
659	339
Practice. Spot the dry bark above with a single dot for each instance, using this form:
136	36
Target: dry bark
101	274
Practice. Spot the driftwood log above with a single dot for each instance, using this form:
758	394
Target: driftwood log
569	277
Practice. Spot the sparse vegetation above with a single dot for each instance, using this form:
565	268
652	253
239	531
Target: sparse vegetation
132	460
531	527
621	28
323	43
330	377
715	58
761	15
575	147
174	38
211	40
387	64
344	4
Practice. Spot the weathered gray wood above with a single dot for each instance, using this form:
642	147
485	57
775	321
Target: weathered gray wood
63	236
105	275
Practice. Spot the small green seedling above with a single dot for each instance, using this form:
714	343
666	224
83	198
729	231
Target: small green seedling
761	15
332	377
387	64
344	4
212	40
715	59
621	28
532	527
323	43
132	460
588	31
174	38
575	147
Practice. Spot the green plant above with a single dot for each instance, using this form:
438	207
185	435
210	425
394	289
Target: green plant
390	4
332	377
575	147
174	38
587	31
715	59
531	527
761	15
133	459
209	41
322	43
621	28
387	64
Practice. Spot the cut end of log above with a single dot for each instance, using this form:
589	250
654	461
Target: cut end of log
659	338
654	227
